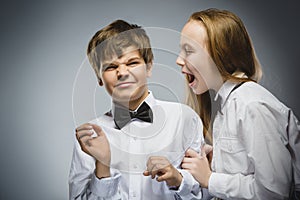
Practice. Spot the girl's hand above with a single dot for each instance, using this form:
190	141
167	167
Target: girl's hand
197	165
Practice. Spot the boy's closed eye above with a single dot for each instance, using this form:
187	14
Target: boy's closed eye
133	64
109	67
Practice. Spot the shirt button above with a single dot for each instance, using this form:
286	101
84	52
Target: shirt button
135	166
133	194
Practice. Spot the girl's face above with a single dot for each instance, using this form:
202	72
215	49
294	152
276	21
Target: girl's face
200	70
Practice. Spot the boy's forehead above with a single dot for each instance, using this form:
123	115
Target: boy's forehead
127	53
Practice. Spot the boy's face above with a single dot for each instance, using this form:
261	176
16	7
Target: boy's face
125	77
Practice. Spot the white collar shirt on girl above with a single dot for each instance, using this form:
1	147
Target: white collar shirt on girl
250	157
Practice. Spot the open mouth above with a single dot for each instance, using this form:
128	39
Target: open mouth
190	78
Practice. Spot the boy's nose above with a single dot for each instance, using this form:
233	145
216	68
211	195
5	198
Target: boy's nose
122	70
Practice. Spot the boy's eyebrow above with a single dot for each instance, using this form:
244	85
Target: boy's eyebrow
106	64
134	58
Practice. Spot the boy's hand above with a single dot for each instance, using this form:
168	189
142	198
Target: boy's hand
97	147
161	167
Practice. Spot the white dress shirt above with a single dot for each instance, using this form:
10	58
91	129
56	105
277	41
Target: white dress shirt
250	159
175	128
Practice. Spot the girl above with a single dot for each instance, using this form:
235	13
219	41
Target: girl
254	135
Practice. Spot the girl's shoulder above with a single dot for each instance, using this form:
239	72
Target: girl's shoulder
253	96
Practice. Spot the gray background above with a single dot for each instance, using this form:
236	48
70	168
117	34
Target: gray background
43	48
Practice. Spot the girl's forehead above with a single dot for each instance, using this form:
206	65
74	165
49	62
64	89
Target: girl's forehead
194	33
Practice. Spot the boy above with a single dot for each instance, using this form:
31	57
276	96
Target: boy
118	155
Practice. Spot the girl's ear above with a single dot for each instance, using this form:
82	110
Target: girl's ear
149	69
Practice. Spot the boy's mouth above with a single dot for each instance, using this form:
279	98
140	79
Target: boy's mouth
124	84
190	78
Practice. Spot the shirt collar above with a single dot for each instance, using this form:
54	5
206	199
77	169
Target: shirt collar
150	100
227	87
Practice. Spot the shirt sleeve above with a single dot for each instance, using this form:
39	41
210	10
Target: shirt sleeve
294	147
190	188
83	184
261	128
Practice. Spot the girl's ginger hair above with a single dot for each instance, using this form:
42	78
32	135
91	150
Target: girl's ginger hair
230	47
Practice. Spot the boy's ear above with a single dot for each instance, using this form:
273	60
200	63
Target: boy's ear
100	82
149	69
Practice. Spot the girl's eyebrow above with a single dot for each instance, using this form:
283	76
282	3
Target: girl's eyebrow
188	45
184	45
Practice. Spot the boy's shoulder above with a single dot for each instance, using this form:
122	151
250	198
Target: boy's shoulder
172	107
102	119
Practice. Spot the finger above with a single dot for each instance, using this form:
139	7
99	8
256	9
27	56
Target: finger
153	173
98	130
161	171
186	166
86	126
188	160
146	173
207	148
150	171
158	166
157	158
191	153
152	160
83	133
149	165
163	177
85	140
203	153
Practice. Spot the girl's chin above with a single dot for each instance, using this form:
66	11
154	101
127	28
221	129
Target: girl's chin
198	90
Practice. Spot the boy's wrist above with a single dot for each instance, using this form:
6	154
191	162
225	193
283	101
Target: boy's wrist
102	170
178	181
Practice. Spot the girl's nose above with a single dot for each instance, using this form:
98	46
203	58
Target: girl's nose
180	61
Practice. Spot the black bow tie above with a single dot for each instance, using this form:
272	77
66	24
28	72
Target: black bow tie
122	115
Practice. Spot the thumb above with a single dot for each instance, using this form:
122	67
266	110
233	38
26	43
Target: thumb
203	150
207	148
191	153
98	130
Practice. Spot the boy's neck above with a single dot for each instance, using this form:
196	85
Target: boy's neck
133	104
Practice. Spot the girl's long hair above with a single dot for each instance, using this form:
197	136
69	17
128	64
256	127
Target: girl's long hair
230	47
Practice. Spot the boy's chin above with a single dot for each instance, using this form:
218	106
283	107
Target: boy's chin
128	99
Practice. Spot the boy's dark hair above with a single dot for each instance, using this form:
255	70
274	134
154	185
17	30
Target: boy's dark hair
113	39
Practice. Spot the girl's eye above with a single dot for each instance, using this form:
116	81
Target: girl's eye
188	51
